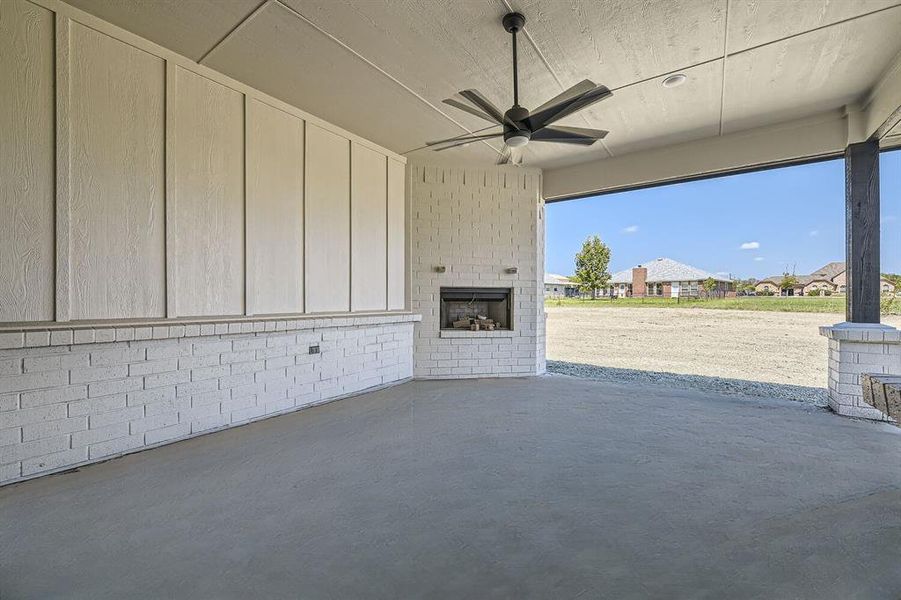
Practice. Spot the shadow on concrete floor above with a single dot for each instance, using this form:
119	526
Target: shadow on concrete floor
720	385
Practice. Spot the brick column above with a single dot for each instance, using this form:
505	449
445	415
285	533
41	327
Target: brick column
855	349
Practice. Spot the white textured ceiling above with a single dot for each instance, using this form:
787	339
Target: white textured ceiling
380	68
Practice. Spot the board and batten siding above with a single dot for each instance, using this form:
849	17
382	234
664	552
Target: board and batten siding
275	156
368	230
116	213
327	218
208	180
136	184
27	174
397	240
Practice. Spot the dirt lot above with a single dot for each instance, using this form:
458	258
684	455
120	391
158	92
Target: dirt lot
773	347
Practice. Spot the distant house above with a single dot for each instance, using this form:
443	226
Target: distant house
828	279
559	286
666	278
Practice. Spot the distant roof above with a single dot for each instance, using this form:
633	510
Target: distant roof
554	279
825	273
802	279
667	269
830	270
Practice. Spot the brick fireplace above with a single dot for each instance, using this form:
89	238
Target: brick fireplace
477	239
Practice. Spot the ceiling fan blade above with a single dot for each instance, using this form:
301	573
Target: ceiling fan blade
464	141
576	141
574	92
465	137
470	110
554	113
561	132
562	136
484	103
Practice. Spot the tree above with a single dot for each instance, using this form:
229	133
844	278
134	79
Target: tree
745	286
708	285
591	265
788	282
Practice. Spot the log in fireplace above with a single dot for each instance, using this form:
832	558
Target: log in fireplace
477	305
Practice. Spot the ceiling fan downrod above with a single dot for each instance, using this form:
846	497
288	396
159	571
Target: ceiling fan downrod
513	24
516	134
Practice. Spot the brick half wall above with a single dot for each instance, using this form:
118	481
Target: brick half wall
69	397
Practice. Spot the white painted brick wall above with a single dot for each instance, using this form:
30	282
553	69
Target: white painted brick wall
64	405
857	350
477	223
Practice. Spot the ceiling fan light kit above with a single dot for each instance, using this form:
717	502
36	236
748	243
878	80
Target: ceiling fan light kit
521	126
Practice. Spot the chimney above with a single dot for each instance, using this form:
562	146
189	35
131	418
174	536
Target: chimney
639	282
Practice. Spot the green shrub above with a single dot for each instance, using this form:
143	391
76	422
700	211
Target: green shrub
890	306
827	292
813	292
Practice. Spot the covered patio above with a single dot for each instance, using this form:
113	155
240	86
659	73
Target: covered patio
258	339
513	488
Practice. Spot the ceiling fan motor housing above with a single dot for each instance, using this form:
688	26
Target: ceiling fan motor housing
516	132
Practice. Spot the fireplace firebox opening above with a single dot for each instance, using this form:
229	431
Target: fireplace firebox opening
476	309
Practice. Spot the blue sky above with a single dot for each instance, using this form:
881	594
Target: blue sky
749	225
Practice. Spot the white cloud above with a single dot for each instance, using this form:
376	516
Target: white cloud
631	229
750	246
758	258
814	233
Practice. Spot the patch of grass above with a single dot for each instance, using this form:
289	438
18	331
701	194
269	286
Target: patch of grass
807	304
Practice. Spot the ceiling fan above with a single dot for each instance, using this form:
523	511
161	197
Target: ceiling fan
521	126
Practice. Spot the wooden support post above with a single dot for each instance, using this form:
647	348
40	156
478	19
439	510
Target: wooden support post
862	232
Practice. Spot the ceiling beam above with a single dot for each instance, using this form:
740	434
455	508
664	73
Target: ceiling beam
723	72
821	136
883	103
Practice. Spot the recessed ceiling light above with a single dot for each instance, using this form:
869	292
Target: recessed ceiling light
674	80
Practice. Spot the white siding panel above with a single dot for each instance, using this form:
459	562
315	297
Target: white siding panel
369	229
208	196
26	162
274	210
117	229
397	242
327	218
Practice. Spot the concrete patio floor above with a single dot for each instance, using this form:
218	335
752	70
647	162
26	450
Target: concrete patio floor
549	487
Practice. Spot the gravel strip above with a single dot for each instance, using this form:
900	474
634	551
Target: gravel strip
798	393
